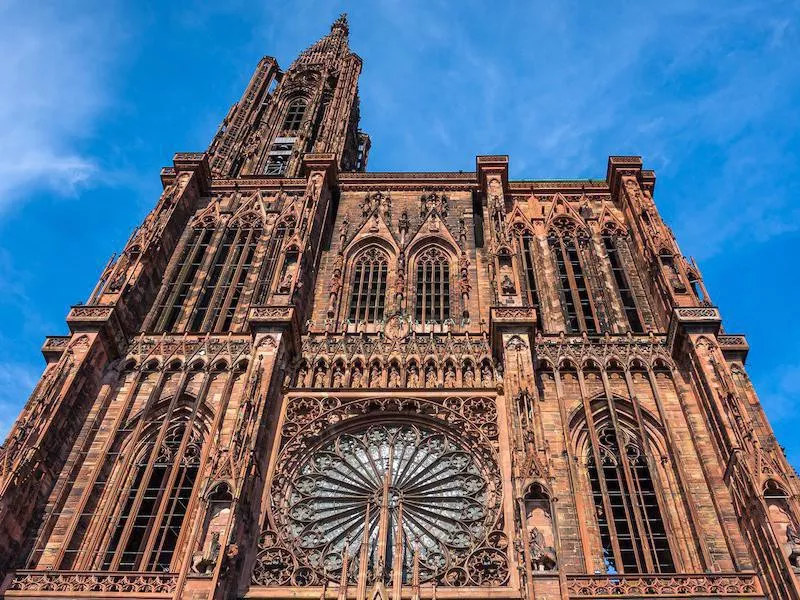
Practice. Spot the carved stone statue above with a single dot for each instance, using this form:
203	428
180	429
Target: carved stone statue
394	377
469	376
486	375
793	545
285	286
375	376
430	376
301	376
338	377
543	558
319	377
507	286
356	379
450	377
413	377
203	563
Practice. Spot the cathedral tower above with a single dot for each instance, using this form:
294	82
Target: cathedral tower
303	380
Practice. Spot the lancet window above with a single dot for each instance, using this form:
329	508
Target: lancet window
573	287
177	290
611	241
224	283
156	496
433	286
527	242
368	290
294	114
632	531
270	263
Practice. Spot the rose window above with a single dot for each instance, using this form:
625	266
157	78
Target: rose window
415	496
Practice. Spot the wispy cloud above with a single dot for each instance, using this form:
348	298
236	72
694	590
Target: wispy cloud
54	77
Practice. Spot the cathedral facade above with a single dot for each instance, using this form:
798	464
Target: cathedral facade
300	379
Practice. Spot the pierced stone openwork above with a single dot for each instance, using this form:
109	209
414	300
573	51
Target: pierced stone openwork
384	488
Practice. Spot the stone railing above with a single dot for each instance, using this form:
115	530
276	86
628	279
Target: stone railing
734	585
68	584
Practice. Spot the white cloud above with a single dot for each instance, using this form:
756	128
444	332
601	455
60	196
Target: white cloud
53	86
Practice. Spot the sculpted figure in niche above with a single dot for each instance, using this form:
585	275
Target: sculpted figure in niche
375	376
793	543
356	379
486	375
394	377
319	377
508	286
430	376
543	558
413	376
338	376
469	376
450	377
288	278
301	376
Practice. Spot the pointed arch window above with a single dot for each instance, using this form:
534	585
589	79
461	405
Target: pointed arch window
573	287
157	496
433	286
177	289
632	531
294	114
368	290
611	242
224	284
527	242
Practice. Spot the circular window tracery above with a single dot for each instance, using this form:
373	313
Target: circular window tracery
421	496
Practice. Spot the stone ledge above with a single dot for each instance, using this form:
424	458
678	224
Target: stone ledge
692	319
717	585
98	318
275	317
54	347
734	346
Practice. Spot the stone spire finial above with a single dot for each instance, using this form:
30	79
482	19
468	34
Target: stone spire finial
341	24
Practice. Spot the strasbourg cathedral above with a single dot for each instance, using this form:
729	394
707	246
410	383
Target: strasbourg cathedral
300	379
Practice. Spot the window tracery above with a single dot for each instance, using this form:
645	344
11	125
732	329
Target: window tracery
224	283
564	239
294	114
612	238
368	289
433	286
377	499
632	531
527	242
157	496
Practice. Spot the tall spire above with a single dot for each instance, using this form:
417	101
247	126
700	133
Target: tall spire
341	24
332	46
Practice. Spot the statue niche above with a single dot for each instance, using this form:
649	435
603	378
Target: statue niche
214	526
783	525
539	525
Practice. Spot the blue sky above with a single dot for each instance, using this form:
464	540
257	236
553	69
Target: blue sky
96	96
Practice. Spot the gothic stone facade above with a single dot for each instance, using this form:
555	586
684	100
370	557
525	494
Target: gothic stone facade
303	380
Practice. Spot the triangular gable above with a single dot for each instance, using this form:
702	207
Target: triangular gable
208	217
433	229
561	207
373	229
251	212
608	216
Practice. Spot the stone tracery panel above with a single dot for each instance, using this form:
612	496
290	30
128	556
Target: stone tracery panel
387	485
